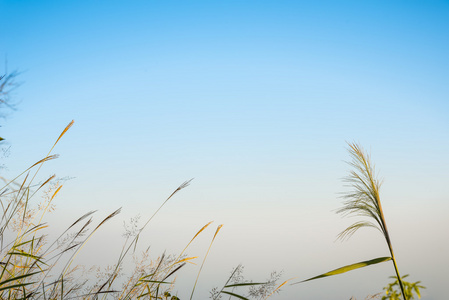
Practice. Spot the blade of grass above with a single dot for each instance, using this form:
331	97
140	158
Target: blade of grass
244	284
174	271
70	247
277	289
18	277
199	272
185	248
22	253
227	281
234	295
88	237
349	268
125	249
11	287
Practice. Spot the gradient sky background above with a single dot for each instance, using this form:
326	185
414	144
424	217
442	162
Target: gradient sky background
255	100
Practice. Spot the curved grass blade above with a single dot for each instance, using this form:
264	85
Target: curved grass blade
22	253
234	295
19	277
244	284
88	237
277	289
64	131
227	281
86	296
175	270
10	287
187	259
50	157
125	252
185	248
207	253
156	281
349	268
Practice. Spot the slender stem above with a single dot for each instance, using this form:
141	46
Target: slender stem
397	271
374	191
390	247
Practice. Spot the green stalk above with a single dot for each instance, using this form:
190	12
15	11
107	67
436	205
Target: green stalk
202	264
364	200
390	247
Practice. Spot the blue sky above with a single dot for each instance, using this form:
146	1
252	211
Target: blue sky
255	100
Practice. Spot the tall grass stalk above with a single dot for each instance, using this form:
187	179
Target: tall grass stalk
27	263
364	200
22	259
202	264
127	248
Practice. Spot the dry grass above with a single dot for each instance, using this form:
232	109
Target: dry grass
36	268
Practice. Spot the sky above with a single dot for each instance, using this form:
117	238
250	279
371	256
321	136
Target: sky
255	100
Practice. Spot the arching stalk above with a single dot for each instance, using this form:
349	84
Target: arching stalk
364	200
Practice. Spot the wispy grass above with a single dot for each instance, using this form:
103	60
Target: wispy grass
34	267
22	259
202	264
363	200
28	261
256	290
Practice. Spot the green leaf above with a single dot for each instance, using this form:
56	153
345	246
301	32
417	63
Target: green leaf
19	277
349	268
15	286
243	284
21	244
155	281
234	295
22	253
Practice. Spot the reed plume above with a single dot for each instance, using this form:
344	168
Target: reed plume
364	200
